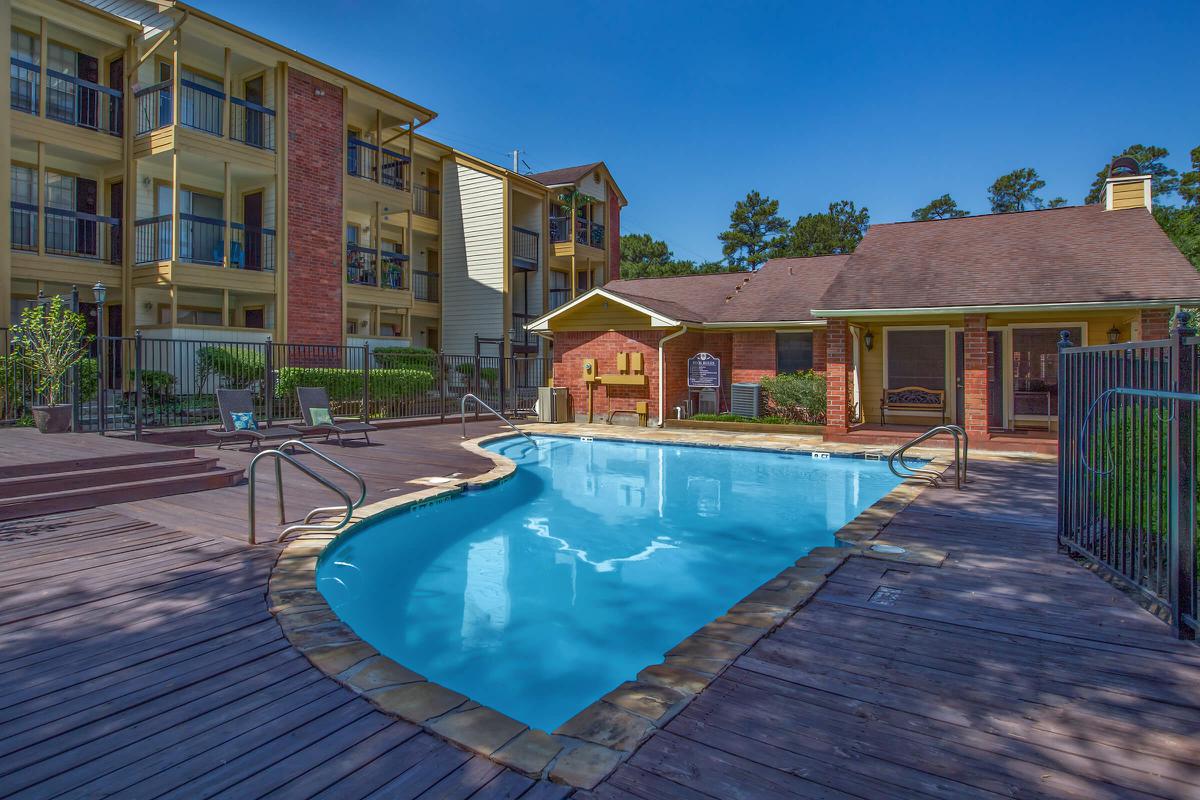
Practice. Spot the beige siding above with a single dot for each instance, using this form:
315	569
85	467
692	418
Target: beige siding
472	257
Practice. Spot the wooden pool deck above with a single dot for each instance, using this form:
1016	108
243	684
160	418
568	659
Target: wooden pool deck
138	659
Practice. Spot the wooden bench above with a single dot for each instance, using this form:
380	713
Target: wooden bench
912	398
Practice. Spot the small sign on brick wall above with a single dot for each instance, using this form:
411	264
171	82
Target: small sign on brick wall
704	371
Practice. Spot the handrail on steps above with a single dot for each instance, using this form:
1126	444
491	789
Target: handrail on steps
928	475
347	509
501	417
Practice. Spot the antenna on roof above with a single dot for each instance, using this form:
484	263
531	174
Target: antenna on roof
516	154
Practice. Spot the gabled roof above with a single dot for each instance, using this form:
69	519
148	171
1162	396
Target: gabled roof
782	291
565	175
1075	254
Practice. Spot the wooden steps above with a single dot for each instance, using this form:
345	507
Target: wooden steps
70	484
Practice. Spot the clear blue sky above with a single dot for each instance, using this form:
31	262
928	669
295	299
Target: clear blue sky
693	104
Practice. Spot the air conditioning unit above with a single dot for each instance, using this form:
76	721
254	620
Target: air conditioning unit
745	399
552	404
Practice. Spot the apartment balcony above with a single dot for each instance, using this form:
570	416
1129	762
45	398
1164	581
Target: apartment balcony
427	201
568	234
526	249
363	268
426	285
521	339
202	242
69	99
69	234
250	128
363	160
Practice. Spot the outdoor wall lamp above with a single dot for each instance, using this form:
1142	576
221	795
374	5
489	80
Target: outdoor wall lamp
1113	335
868	340
100	291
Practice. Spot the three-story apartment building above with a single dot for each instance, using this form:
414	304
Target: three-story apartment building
226	188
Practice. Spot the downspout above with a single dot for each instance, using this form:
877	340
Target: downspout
661	376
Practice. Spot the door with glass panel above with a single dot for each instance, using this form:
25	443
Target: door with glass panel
201	227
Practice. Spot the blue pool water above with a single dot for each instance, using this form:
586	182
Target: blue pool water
539	595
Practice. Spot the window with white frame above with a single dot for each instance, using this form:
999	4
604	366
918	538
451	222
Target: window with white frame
916	358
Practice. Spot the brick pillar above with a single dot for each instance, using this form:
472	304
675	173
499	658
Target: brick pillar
1153	323
975	376
838	366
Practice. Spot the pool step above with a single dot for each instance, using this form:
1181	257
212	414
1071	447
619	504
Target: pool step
58	491
151	455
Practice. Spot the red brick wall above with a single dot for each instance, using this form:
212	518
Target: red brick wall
975	375
753	355
314	208
1154	323
819	350
571	347
837	374
614	235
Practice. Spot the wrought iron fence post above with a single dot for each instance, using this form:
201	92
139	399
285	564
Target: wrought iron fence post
269	381
1065	380
101	369
137	385
503	383
442	379
366	411
1182	483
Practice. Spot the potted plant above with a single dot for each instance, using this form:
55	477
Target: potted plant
49	340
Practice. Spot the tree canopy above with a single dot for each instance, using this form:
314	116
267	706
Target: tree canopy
753	225
1017	191
643	256
942	207
1189	182
1150	159
833	232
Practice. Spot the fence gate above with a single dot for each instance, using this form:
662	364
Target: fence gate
1127	485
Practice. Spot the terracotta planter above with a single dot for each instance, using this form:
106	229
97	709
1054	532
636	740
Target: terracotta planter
52	419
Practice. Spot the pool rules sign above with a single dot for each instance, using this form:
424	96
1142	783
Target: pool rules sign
704	371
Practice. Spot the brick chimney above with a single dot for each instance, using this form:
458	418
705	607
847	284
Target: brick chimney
1126	186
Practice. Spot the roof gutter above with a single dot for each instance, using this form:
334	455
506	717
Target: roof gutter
825	313
661	376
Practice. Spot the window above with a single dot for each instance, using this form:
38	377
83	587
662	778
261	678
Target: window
1035	368
24	216
24	76
916	358
24	185
793	352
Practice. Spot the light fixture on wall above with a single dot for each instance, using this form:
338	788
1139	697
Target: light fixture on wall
868	340
1114	334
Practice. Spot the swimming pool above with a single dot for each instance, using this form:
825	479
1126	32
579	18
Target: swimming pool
538	595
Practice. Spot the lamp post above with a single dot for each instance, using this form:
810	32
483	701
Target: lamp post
100	291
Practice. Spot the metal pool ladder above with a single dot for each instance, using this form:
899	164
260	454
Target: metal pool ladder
463	415
346	509
961	445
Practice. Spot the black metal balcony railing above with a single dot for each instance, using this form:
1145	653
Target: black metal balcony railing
363	161
252	124
80	235
360	265
201	108
152	239
251	247
522	338
393	270
597	235
426	201
78	102
557	298
426	285
153	107
24	227
201	239
560	229
525	248
24	77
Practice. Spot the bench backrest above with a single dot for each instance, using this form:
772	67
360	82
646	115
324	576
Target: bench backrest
914	397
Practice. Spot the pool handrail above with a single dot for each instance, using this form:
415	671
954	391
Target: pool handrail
463	417
280	456
961	447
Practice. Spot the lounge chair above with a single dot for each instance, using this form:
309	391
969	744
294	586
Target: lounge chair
315	398
240	401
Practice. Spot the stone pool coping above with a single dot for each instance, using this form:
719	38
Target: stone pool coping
590	745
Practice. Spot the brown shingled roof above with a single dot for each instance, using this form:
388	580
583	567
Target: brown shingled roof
782	290
1077	254
559	177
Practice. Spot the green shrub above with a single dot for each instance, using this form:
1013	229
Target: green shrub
769	420
466	369
797	396
237	367
89	380
346	384
489	375
155	382
405	358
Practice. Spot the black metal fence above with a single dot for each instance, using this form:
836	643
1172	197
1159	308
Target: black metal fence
1127	465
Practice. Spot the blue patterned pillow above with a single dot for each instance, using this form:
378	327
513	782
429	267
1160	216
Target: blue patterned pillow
244	421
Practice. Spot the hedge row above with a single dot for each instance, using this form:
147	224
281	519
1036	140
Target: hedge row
347	383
